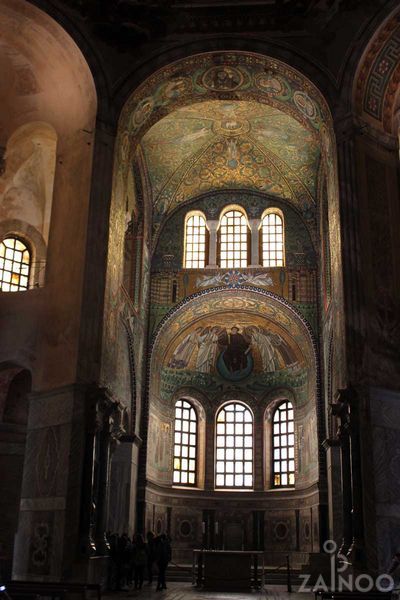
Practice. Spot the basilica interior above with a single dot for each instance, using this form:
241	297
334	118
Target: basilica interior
199	280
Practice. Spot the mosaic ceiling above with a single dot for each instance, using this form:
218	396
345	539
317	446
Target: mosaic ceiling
220	144
377	83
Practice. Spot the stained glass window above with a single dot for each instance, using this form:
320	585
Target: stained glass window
233	239
15	262
272	240
185	444
283	446
195	242
234	447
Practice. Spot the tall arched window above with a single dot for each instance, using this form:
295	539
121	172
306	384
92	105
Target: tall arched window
272	239
283	446
185	444
234	447
195	241
233	239
15	263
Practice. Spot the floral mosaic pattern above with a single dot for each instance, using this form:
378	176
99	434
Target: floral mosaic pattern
219	145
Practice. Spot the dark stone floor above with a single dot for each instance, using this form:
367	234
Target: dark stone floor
185	591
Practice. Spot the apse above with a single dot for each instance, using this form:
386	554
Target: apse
223	165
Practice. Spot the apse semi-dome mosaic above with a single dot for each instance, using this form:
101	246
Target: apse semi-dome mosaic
226	337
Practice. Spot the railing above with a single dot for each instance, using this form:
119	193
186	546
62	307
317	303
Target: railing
288	573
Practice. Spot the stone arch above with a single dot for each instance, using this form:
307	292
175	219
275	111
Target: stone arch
190	315
26	186
20	228
272	400
301	63
376	91
49	100
201	403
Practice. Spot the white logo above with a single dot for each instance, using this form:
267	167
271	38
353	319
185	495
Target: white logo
339	583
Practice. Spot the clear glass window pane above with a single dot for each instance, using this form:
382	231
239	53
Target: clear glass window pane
195	242
233	239
15	266
283	446
184	444
272	240
230	441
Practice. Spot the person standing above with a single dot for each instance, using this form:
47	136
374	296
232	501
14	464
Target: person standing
140	560
150	555
163	556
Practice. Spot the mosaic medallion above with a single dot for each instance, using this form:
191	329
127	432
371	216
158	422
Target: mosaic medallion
223	78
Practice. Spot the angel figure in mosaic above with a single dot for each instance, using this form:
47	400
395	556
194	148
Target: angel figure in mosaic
208	348
261	340
183	353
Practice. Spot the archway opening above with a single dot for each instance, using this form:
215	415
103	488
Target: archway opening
226	153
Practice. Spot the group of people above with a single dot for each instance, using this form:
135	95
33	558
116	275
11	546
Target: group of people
134	559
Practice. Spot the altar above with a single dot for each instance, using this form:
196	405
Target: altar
228	570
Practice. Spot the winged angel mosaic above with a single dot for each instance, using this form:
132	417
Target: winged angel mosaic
232	352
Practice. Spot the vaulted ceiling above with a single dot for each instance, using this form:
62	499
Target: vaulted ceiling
220	144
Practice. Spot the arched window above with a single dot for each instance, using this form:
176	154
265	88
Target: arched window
283	446
233	239
185	444
15	262
272	239
234	447
195	241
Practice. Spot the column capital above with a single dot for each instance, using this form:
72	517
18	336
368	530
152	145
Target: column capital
255	236
254	223
212	224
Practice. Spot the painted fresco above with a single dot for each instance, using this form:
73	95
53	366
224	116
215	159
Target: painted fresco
231	145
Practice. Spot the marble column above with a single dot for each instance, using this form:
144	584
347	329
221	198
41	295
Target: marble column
110	430
92	313
347	503
212	252
87	542
347	133
356	551
334	481
350	212
101	512
346	408
255	243
340	409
